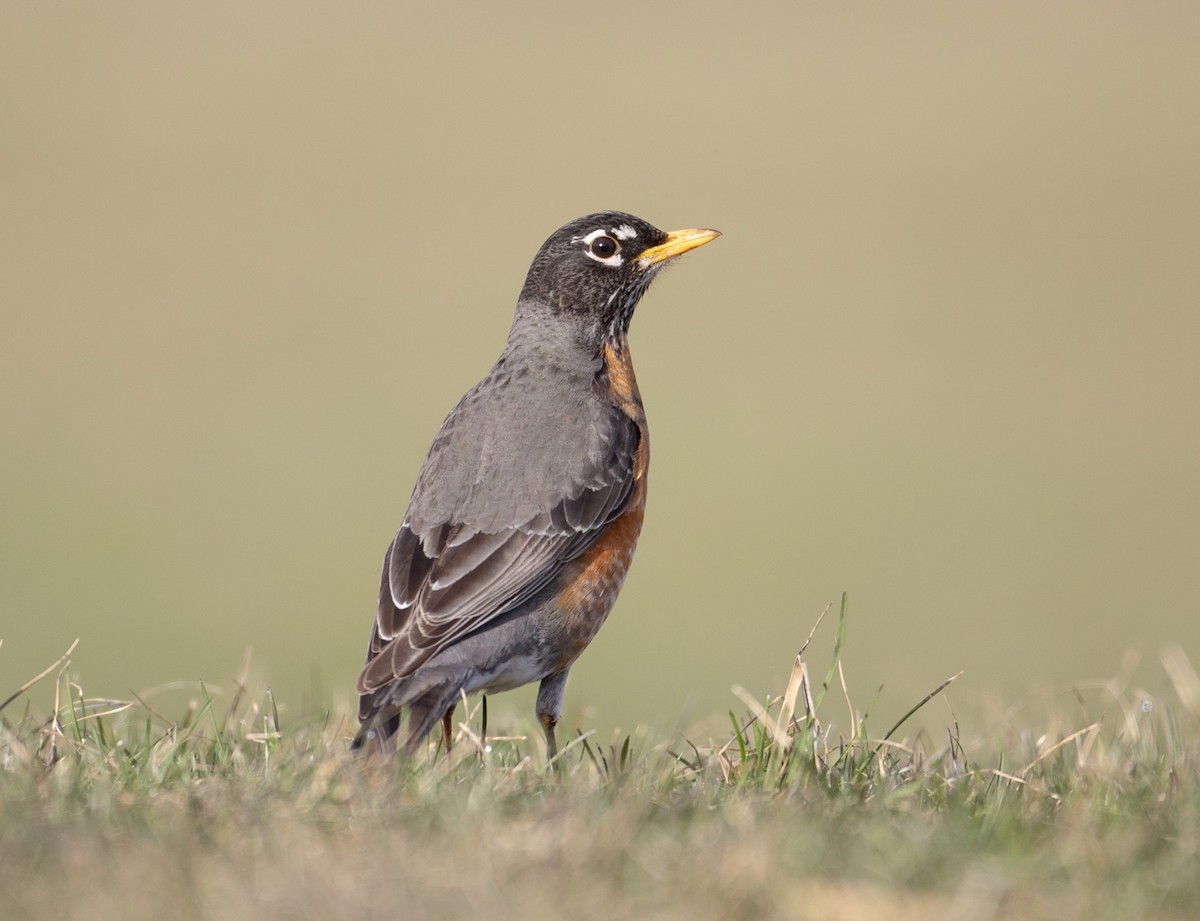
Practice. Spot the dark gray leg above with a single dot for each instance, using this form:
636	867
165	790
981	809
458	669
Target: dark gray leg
447	723
549	707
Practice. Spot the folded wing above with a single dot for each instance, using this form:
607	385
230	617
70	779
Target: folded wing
444	579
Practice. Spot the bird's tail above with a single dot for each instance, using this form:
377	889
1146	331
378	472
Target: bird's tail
378	734
428	696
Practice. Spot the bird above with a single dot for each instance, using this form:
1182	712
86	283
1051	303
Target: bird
528	506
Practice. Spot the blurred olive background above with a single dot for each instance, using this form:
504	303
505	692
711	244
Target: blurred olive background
944	357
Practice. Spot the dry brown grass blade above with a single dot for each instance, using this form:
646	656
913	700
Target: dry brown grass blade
813	631
778	733
114	707
1053	748
32	681
795	682
855	723
1004	775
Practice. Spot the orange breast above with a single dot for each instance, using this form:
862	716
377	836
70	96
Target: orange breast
592	582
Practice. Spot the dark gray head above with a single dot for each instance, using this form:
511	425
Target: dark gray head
594	270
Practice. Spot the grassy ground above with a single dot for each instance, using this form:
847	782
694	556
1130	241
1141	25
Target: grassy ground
111	810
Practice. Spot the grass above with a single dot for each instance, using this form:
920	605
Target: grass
110	809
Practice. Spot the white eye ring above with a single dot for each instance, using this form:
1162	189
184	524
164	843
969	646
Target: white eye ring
603	247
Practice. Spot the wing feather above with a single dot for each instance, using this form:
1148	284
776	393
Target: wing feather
442	580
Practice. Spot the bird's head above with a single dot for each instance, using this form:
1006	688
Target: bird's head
595	269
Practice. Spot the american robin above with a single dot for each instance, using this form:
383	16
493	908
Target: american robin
529	503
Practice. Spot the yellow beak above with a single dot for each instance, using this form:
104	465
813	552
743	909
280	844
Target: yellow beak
677	243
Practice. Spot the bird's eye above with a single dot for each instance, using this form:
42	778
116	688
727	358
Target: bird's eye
604	247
